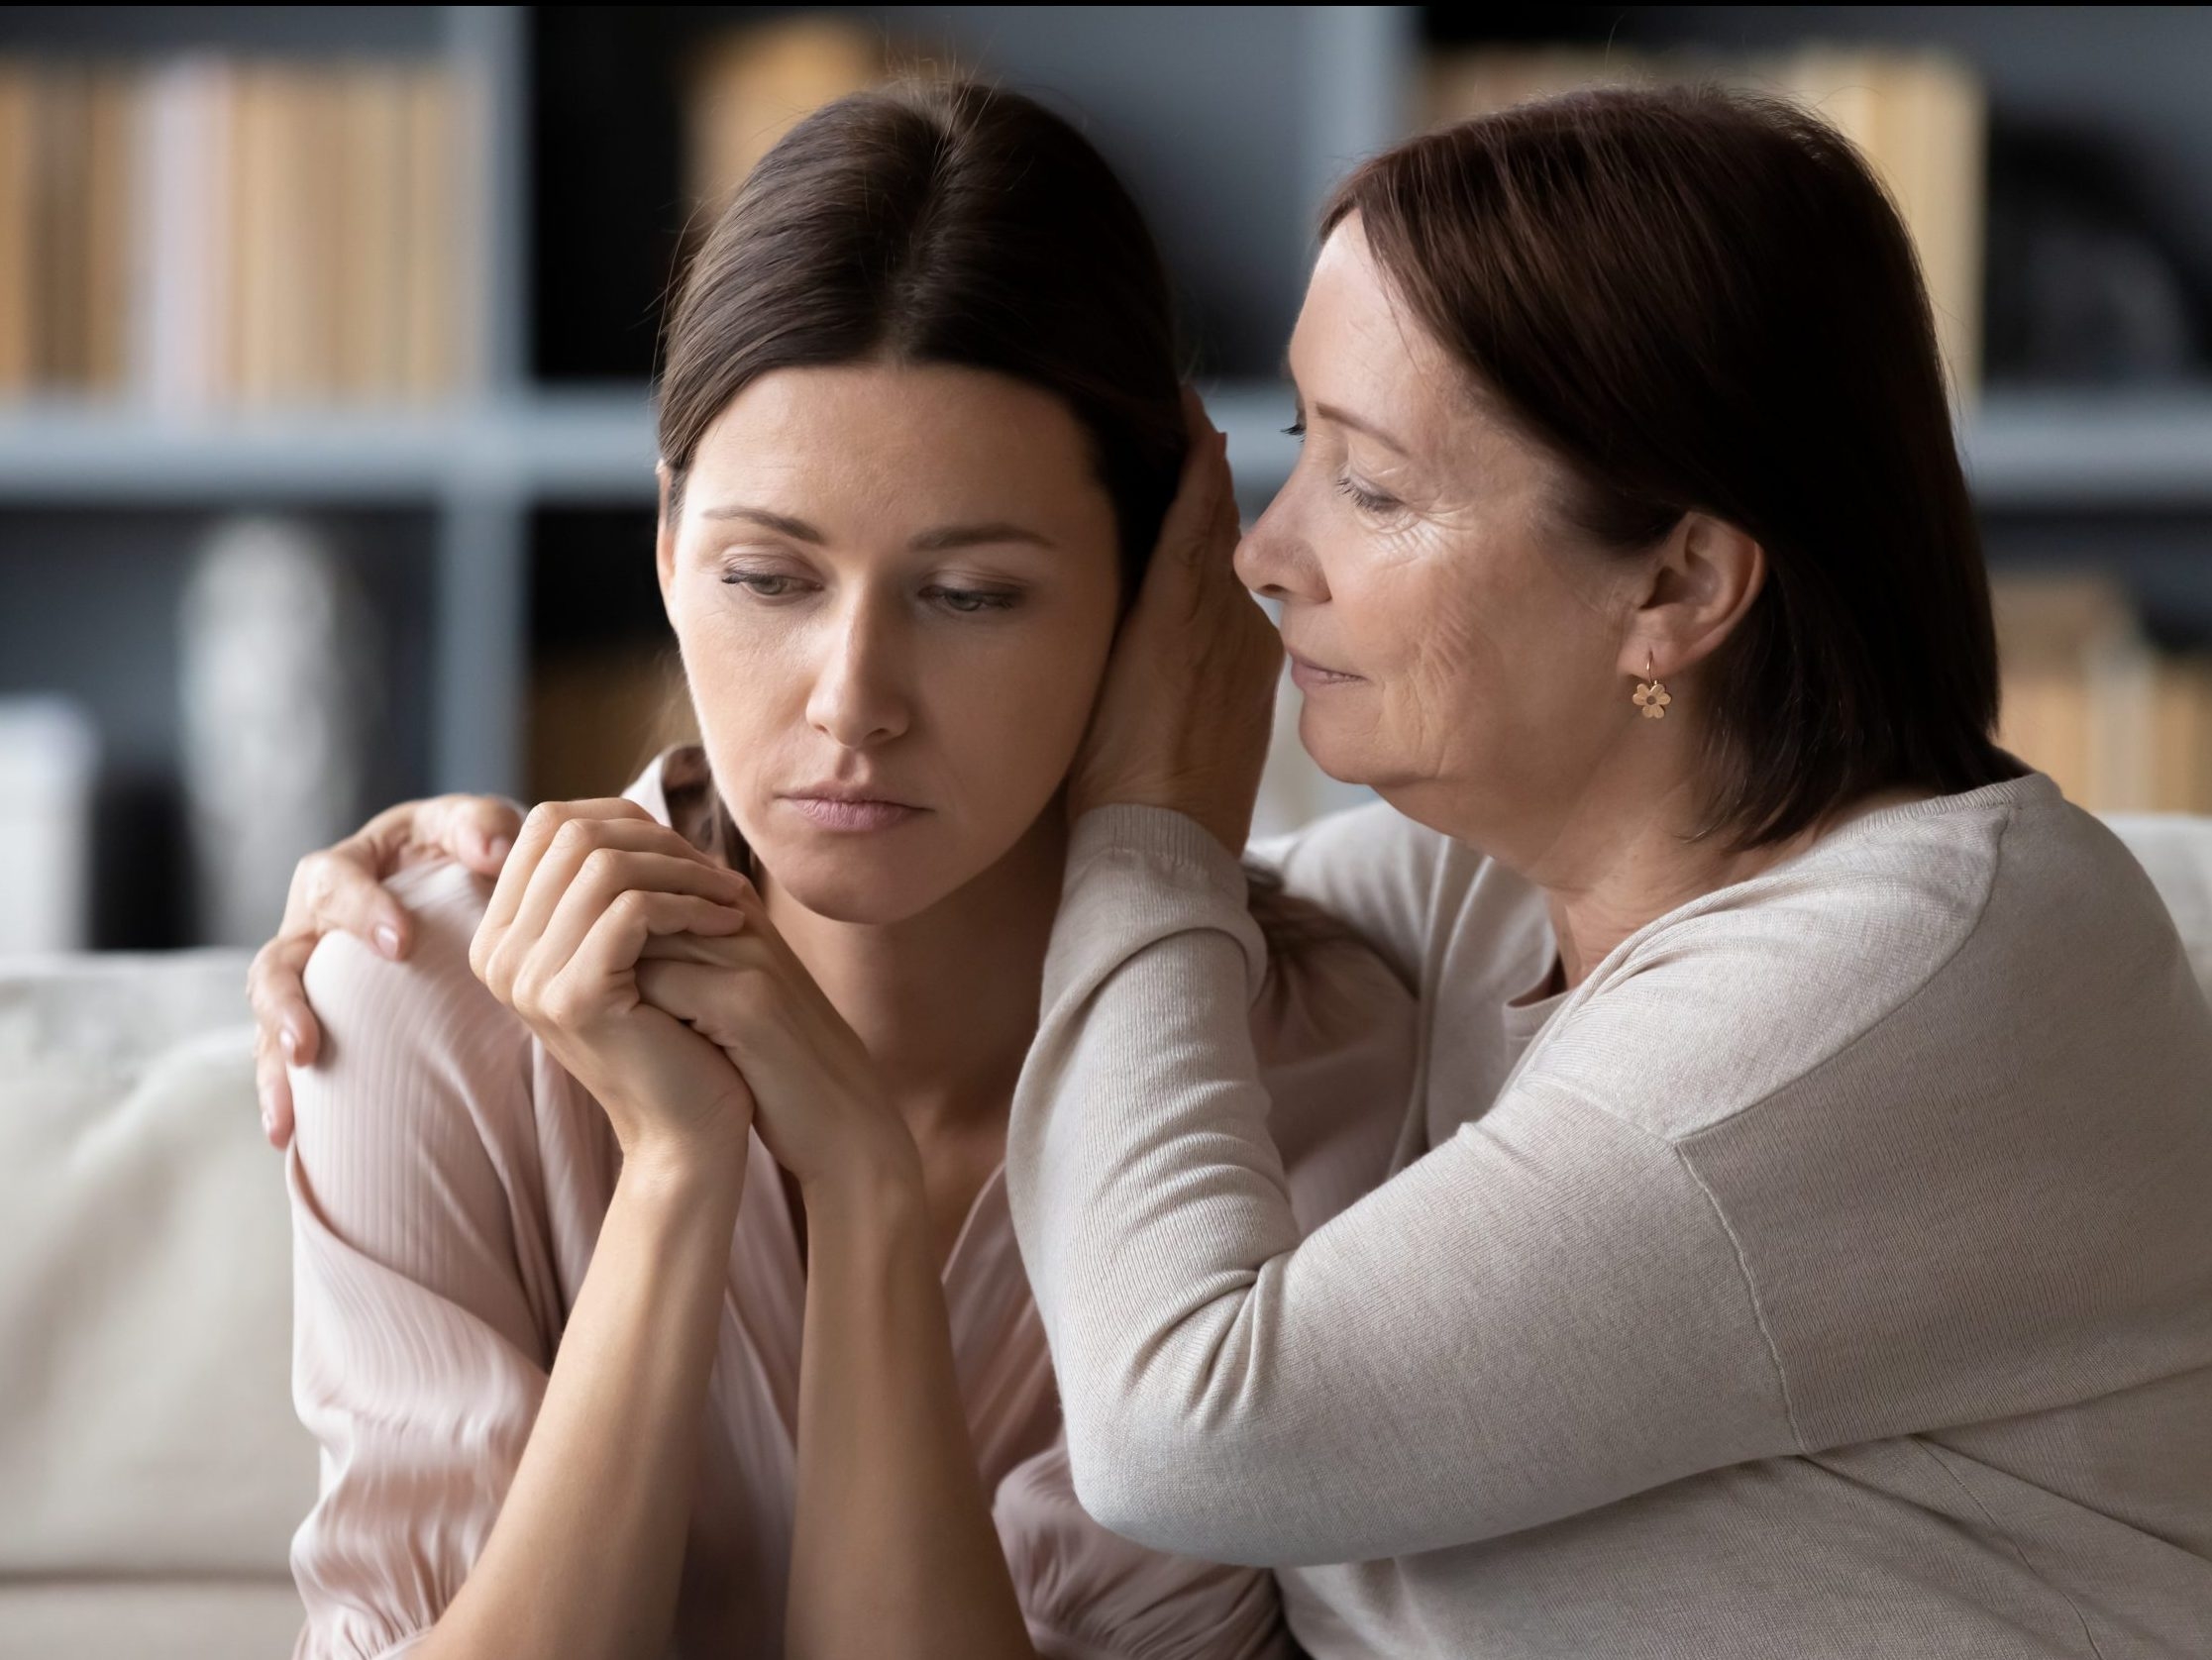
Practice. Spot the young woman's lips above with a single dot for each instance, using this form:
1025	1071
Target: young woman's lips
1311	677
837	812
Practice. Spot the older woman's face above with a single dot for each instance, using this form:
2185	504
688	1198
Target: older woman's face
1454	652
895	588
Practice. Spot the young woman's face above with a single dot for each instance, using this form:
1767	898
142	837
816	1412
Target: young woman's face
895	588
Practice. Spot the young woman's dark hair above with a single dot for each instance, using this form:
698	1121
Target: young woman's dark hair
1702	300
942	223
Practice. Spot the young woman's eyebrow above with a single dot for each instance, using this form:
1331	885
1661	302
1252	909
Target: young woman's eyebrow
799	530
950	537
945	539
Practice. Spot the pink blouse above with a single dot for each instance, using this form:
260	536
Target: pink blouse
448	1181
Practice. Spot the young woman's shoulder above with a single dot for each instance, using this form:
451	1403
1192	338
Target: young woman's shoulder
430	1006
1431	906
1372	870
420	1065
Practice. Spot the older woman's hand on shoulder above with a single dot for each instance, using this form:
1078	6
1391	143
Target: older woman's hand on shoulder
340	890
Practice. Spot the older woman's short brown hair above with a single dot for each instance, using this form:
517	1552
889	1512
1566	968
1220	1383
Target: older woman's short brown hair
1700	300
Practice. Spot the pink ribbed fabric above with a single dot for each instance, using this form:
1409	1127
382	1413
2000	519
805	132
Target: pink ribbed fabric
448	1181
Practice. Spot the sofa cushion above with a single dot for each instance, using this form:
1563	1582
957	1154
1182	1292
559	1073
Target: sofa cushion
146	1417
148	1620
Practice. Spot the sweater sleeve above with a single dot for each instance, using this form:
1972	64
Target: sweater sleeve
420	1354
1543	1315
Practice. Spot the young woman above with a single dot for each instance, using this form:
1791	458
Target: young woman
656	1281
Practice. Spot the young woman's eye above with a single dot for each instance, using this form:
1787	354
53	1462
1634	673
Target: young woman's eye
969	602
1297	429
766	584
1367	501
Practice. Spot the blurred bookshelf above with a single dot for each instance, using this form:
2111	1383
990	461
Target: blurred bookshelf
2024	451
467	420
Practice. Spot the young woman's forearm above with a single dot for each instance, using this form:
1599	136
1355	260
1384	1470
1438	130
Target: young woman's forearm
894	1555
583	1560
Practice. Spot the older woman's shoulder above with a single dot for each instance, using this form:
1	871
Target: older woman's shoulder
1972	925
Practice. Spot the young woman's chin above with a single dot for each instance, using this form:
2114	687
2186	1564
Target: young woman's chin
866	881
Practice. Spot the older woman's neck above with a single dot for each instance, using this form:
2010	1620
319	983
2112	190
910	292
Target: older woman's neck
946	1000
1617	867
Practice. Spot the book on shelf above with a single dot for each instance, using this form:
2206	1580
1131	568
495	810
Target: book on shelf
1919	117
202	229
64	136
752	84
2120	725
19	176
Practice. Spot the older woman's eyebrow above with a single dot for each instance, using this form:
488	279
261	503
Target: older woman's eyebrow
1344	418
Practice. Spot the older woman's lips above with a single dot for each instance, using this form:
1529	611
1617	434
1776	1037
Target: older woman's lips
1311	677
836	813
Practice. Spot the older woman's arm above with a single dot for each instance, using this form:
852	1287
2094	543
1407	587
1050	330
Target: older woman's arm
1544	1315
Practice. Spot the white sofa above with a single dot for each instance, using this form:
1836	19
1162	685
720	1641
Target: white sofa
151	1468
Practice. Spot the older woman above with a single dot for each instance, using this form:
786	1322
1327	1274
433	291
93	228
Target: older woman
1795	1243
1798	1243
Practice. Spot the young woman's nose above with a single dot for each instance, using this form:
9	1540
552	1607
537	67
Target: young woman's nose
858	696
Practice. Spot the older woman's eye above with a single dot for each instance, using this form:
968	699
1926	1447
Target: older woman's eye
1366	500
970	601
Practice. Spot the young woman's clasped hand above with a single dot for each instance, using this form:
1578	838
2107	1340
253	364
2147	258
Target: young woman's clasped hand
818	1100
653	975
587	888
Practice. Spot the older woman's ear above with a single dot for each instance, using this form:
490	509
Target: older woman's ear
1704	582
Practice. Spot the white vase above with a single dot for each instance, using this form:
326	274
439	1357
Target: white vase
278	692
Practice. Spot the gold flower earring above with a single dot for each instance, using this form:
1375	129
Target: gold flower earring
1652	699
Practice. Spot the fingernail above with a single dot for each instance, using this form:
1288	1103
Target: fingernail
500	846
387	940
268	1113
289	1040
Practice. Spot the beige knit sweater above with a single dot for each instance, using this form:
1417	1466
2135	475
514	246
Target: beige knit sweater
1828	1275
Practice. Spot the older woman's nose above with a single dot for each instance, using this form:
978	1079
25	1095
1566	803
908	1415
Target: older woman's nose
858	696
1275	563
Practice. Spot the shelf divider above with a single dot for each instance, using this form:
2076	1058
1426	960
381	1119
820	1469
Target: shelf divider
2089	450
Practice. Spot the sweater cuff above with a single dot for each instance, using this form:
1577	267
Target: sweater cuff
1139	874
1154	834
